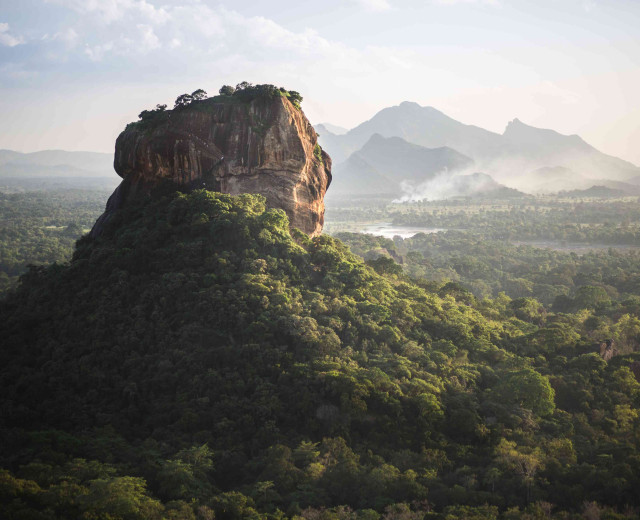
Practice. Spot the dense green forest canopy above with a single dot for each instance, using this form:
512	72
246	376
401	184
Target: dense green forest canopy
615	222
549	250
41	227
198	360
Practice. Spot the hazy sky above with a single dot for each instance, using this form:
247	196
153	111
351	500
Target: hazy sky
74	72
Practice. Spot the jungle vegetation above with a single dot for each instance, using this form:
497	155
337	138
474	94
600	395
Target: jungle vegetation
200	360
41	227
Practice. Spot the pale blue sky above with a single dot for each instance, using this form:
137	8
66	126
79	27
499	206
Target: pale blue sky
74	72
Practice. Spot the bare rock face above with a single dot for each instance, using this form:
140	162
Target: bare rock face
264	146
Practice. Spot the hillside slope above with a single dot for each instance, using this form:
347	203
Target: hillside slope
198	359
382	165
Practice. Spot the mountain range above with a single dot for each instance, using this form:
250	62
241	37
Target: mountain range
515	157
55	163
424	126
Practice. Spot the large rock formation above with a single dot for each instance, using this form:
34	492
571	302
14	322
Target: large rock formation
264	146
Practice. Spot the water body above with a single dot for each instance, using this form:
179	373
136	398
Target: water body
387	230
578	248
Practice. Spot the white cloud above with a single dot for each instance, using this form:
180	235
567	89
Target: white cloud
374	5
155	15
68	37
148	39
97	52
456	2
139	42
199	31
108	10
112	10
196	20
6	38
261	31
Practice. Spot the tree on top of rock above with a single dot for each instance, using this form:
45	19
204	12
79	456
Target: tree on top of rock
226	90
199	95
185	100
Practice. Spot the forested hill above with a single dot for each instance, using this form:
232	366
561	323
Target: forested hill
197	360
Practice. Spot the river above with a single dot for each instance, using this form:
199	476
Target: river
388	230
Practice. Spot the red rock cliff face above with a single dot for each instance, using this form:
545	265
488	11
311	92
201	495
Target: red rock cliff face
265	146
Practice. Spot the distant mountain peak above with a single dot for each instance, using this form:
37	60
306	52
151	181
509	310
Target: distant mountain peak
410	104
330	128
376	138
515	125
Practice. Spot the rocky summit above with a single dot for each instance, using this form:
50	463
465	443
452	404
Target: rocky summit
261	144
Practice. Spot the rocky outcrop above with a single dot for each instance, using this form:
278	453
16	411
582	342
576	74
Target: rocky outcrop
265	146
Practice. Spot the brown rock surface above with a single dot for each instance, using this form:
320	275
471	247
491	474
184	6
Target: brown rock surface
264	146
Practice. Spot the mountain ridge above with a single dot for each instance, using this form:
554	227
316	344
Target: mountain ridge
55	163
519	149
395	161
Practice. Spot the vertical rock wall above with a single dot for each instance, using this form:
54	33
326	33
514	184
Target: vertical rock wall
265	146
